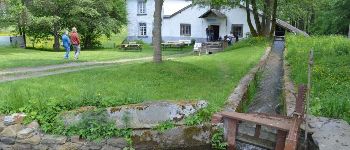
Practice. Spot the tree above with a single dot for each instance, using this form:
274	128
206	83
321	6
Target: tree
92	18
157	31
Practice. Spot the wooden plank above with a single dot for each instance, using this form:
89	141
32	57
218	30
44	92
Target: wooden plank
279	122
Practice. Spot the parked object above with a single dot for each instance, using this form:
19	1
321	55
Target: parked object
173	44
131	46
15	41
197	48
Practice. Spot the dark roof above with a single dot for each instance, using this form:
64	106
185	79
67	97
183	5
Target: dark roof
213	11
291	28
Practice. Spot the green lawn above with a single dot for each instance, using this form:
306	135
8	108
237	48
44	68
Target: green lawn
330	96
208	77
17	57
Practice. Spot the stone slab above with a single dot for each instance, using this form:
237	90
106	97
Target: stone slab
11	131
52	139
330	133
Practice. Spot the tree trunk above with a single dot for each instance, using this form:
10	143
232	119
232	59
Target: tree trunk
56	45
267	13
274	15
157	31
256	18
249	20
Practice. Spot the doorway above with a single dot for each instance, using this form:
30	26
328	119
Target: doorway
215	29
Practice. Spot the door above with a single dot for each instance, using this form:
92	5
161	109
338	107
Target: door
214	32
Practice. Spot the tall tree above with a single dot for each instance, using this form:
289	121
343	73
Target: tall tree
157	31
93	18
249	20
274	17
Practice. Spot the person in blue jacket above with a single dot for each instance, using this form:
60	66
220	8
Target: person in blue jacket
66	44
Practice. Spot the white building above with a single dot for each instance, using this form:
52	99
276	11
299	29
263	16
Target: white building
182	20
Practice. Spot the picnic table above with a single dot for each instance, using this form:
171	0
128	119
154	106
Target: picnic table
172	44
131	46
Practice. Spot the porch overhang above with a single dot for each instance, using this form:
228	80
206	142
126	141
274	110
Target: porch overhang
214	12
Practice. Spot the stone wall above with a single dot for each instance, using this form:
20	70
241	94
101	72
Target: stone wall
15	136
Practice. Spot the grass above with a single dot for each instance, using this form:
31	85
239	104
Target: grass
207	77
17	57
330	96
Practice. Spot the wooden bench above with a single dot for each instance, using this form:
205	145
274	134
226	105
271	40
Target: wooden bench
172	44
131	46
187	42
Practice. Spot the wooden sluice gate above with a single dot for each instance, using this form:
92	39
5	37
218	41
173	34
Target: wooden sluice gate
288	127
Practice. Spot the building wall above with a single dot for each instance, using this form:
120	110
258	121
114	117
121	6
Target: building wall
171	26
134	19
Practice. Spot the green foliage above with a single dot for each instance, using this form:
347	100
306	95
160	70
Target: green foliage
252	89
164	126
94	125
330	74
93	18
203	115
217	140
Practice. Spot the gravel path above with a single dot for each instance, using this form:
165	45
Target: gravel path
31	72
269	90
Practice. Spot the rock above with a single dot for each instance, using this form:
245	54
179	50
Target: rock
8	140
117	142
2	126
40	147
52	139
22	147
107	147
34	140
5	147
150	114
93	145
11	131
25	133
9	120
330	133
69	146
34	125
75	139
16	118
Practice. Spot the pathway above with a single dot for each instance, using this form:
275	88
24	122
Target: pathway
13	74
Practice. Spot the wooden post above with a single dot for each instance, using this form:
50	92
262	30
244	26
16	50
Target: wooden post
257	131
280	139
310	64
231	127
349	32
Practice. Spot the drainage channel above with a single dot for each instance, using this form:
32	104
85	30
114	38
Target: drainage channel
266	100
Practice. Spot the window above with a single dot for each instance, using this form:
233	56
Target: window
237	29
185	29
141	7
142	29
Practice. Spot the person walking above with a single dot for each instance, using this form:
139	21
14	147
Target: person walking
76	42
66	44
